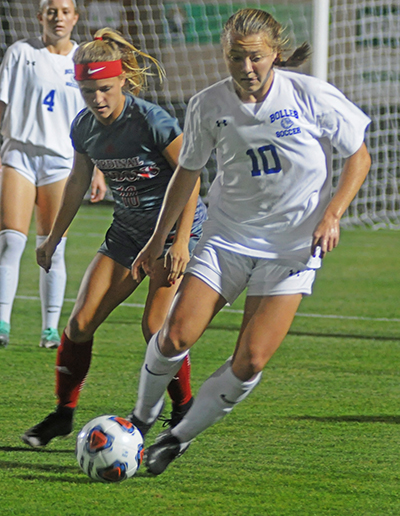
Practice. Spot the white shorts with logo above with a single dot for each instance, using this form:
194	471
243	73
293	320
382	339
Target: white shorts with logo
229	273
37	164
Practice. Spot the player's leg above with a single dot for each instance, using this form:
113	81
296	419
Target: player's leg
105	285
51	284
194	306
158	303
274	294
265	323
17	198
203	292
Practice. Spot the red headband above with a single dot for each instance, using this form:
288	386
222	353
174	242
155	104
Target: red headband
99	70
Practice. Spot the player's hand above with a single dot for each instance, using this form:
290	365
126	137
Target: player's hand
44	254
326	235
146	259
176	259
98	187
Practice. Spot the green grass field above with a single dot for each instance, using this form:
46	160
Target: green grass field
319	435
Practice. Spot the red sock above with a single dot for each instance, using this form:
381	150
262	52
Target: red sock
72	366
179	388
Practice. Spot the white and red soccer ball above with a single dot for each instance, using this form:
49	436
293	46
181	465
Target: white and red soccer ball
109	449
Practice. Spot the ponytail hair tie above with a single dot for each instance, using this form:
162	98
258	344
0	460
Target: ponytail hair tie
100	38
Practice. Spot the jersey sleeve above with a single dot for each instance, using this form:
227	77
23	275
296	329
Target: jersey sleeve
163	127
76	134
340	120
198	142
6	69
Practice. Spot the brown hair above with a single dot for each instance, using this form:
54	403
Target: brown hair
110	45
256	21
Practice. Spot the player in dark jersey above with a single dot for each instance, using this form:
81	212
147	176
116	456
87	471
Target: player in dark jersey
136	145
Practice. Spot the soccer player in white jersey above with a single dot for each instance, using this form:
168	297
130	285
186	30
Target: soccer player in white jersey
39	98
271	216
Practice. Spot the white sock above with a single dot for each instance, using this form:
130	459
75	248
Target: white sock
12	245
157	371
52	285
217	397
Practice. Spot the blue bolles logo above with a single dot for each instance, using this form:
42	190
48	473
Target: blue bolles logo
286	123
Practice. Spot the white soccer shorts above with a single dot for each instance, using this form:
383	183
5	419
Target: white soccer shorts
230	273
37	164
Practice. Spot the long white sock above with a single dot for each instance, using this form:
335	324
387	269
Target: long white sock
12	245
157	371
52	285
217	397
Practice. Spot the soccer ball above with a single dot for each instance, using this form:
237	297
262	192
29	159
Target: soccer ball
109	449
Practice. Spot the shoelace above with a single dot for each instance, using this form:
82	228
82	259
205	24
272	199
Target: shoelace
166	421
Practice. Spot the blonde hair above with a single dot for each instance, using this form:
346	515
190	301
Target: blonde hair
110	45
43	4
248	22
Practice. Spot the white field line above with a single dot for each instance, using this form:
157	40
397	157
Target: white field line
230	310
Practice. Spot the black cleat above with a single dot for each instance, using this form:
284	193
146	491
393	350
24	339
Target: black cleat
142	427
57	424
177	414
166	448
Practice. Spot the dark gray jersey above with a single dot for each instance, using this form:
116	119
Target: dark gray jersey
129	153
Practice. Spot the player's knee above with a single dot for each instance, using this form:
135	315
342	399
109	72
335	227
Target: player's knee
79	330
246	366
257	360
256	365
177	339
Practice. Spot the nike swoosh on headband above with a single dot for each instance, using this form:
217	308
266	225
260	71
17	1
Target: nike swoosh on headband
90	72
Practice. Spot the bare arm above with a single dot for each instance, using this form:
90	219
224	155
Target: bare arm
177	195
98	187
74	191
177	256
178	253
355	170
2	109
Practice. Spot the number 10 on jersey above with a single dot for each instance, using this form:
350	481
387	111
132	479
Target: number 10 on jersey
269	160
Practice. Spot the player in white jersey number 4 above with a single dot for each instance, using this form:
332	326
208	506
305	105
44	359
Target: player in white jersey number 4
38	101
271	216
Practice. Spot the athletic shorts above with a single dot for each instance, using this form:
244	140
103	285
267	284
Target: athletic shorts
123	249
37	164
230	273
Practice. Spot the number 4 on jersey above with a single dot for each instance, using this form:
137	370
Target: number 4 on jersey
265	152
49	100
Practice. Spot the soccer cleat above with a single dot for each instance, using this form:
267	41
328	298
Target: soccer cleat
177	414
166	449
50	339
4	334
56	424
142	427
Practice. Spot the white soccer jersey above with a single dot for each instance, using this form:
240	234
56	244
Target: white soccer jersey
274	167
41	94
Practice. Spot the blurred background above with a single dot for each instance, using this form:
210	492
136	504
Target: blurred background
356	47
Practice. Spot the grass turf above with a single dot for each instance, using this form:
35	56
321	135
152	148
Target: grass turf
319	435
